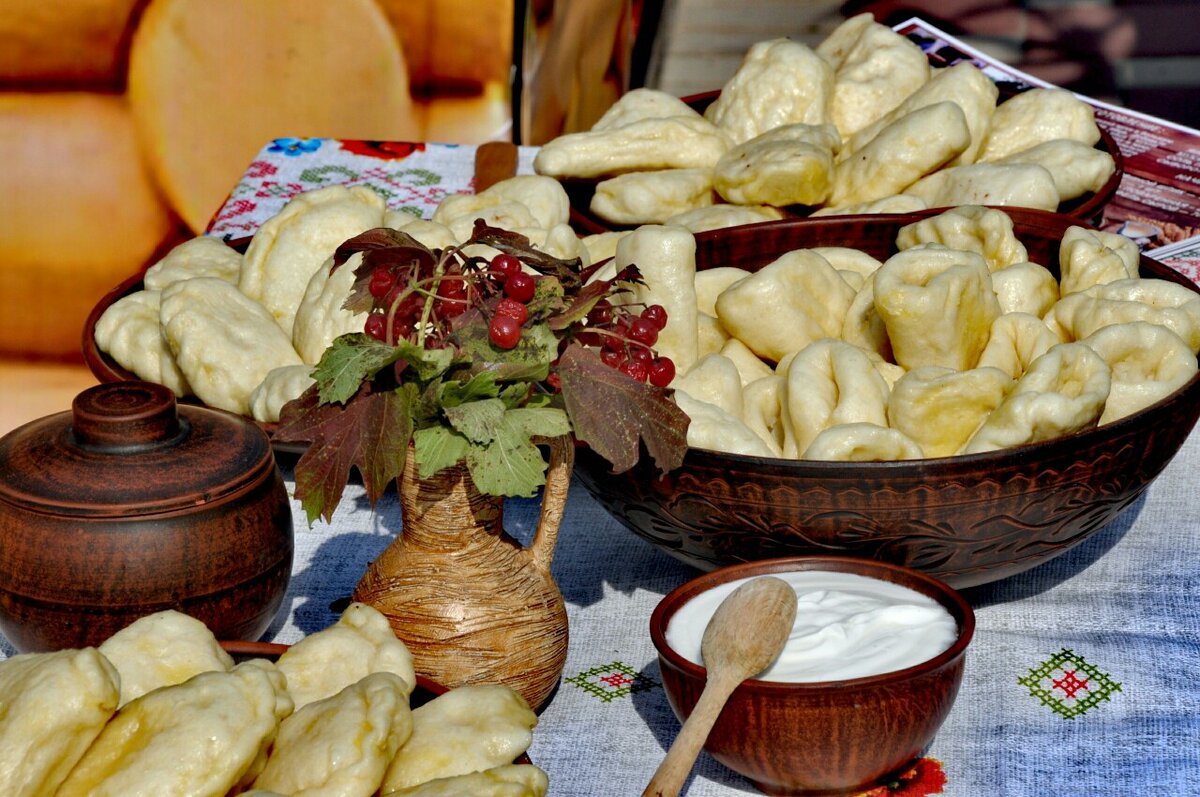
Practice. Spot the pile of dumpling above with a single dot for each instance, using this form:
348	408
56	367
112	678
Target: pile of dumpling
955	344
161	708
859	124
242	333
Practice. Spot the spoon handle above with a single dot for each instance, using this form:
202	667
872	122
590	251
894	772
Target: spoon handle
668	779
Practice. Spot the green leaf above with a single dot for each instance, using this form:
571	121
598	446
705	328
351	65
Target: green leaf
480	386
611	412
438	448
511	465
426	363
528	361
370	433
478	421
538	422
351	360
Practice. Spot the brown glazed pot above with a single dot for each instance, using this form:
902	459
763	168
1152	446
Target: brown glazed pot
131	504
967	519
829	737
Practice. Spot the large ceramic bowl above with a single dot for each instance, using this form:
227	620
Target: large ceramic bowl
966	519
1088	208
823	737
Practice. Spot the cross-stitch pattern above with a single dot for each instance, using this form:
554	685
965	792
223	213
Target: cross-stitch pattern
608	682
923	778
1069	686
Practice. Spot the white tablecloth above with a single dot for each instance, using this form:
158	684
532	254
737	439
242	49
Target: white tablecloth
1120	612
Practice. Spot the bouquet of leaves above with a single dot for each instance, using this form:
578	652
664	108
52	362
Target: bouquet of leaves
473	359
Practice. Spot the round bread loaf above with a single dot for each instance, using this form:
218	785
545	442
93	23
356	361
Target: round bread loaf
211	82
80	214
78	42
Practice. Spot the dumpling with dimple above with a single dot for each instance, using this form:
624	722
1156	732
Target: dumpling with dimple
1156	301
468	729
788	165
163	649
862	442
203	256
359	643
715	379
831	382
509	780
321	316
873	74
1093	257
903	153
342	745
940	408
971	228
204	737
1017	340
937	305
52	705
1063	391
1025	288
779	82
714	429
1149	362
292	244
652	197
787	304
130	332
223	341
1036	116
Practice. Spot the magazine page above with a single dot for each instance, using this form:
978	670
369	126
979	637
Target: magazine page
1158	201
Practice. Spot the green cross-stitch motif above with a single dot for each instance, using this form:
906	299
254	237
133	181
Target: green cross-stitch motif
1069	686
607	682
317	174
423	177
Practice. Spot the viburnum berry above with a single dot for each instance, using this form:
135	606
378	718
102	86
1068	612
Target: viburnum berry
504	264
612	358
376	326
519	286
382	282
656	314
513	308
640	354
634	368
643	330
661	371
600	314
504	331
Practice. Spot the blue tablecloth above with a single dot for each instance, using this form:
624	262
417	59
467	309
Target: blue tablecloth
1081	679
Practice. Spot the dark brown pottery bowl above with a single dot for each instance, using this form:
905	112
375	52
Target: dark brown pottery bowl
1087	209
966	519
828	737
130	504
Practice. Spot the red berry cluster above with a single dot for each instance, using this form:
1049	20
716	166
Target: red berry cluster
504	330
626	339
402	294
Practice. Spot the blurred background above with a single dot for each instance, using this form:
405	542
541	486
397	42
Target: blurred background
123	123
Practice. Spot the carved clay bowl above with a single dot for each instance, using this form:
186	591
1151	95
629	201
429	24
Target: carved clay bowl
823	737
967	519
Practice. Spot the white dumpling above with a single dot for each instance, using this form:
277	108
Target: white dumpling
278	387
1017	340
764	409
714	379
223	341
1035	116
321	316
673	142
940	408
788	165
666	258
1077	168
1093	257
971	228
711	282
830	382
1026	185
720	216
1025	288
652	197
1149	362
163	649
714	429
862	442
203	256
1152	300
129	331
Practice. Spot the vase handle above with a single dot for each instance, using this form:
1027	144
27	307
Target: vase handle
554	500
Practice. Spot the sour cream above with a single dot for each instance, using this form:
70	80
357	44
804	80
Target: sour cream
847	626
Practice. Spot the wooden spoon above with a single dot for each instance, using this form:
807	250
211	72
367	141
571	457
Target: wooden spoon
745	635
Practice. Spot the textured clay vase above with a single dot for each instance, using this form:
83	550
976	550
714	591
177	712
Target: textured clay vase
130	504
473	605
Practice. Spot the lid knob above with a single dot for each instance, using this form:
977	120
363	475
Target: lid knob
124	415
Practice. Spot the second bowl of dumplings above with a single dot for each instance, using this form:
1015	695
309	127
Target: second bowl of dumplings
967	392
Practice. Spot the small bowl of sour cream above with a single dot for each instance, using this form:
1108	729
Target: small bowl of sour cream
868	675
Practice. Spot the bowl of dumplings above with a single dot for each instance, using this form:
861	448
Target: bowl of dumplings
862	122
163	707
968	392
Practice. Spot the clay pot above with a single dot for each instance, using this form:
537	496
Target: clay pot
130	504
472	605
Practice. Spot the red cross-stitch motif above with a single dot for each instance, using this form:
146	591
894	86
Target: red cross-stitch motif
616	679
260	169
237	208
1069	684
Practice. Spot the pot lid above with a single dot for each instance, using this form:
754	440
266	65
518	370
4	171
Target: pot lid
126	449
